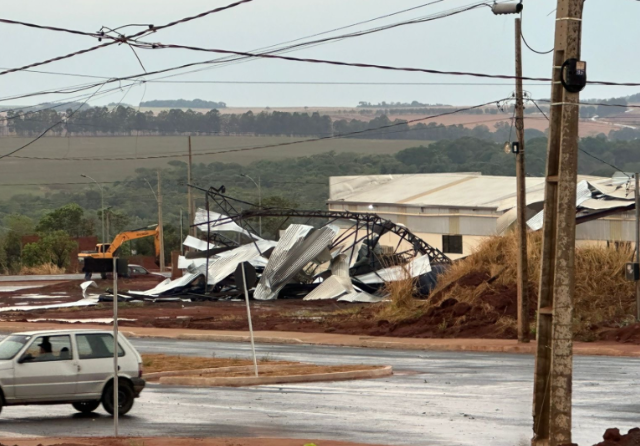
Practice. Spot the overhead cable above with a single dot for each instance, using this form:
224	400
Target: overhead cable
147	45
579	148
118	39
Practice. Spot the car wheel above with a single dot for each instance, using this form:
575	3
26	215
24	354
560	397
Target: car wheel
103	276
125	398
86	406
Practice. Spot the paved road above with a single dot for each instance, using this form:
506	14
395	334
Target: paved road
435	398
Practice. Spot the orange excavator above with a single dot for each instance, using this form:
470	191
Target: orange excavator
101	260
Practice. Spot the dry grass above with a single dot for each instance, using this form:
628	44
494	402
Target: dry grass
602	293
404	303
165	363
45	269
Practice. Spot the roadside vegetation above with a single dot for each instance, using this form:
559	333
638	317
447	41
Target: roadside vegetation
486	283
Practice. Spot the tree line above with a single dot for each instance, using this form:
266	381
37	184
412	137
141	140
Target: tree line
124	120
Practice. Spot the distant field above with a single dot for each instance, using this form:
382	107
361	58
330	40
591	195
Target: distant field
20	171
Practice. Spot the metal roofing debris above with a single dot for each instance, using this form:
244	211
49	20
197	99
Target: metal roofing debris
196	243
216	223
168	285
316	262
86	302
223	265
85	285
415	268
298	246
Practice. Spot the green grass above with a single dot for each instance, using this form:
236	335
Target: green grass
21	171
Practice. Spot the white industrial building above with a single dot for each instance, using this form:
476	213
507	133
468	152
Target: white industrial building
454	212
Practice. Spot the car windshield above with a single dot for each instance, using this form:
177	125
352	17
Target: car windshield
12	345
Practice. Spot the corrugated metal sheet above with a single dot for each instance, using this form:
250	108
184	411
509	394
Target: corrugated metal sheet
298	246
202	217
417	267
223	265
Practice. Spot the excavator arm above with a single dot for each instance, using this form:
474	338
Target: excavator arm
133	235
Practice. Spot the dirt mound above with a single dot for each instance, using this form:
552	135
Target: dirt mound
628	335
612	437
486	282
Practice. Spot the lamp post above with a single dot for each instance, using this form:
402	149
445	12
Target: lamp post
259	199
102	199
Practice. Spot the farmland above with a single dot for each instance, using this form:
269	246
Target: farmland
18	172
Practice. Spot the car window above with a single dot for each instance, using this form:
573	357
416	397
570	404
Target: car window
49	348
95	346
11	345
138	270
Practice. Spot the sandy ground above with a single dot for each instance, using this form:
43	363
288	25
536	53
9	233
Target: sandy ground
145	441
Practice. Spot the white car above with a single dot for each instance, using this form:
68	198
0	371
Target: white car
68	367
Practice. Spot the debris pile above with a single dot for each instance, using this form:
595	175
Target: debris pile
347	257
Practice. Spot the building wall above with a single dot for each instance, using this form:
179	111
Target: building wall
476	225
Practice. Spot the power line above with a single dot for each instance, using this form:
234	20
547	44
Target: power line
128	39
359	132
118	39
47	130
55	59
579	148
535	51
148	45
527	45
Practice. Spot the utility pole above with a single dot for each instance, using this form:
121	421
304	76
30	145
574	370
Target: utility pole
181	234
160	227
523	277
521	187
190	207
637	193
554	356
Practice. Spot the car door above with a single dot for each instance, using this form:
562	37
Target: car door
95	353
45	373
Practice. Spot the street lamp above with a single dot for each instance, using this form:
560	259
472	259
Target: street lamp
102	198
259	199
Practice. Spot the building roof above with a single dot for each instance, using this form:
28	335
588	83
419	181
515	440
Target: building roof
456	190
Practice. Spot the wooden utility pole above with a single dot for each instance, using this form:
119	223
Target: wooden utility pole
554	355
523	264
160	226
637	194
190	206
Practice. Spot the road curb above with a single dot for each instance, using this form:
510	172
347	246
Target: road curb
264	380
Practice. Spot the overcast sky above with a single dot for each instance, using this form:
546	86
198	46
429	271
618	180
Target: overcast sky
472	41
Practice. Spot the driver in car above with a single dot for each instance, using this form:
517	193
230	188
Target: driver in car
46	353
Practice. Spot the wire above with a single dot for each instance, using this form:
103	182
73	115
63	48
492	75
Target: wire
50	28
47	130
55	59
535	51
579	148
119	39
147	45
597	104
289	143
527	45
339	83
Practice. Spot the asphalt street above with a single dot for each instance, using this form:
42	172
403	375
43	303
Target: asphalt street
435	398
